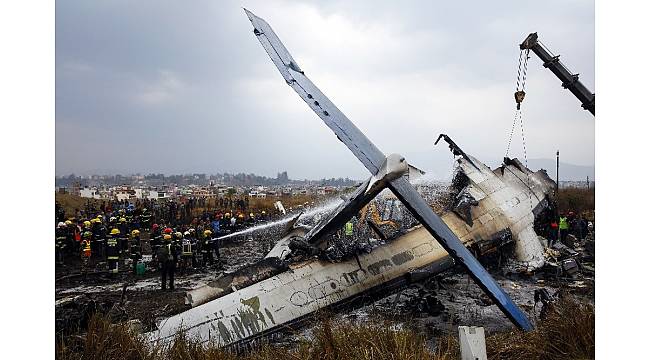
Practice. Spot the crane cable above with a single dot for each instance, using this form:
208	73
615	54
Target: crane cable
522	71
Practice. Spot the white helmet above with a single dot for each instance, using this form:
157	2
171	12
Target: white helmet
61	225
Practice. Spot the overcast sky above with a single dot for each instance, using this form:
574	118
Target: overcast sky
184	86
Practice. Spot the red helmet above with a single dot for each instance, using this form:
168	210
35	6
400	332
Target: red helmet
155	226
168	230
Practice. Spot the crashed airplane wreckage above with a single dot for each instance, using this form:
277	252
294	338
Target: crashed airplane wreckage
297	278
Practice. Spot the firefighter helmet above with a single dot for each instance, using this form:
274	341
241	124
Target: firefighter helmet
167	237
207	233
135	233
115	231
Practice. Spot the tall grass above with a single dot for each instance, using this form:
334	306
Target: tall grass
567	333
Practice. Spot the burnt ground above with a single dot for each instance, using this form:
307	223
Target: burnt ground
434	307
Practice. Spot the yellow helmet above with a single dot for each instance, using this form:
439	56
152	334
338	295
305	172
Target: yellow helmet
115	232
68	222
86	223
167	237
135	233
122	219
207	233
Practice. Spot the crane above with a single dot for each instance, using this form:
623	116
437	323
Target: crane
552	62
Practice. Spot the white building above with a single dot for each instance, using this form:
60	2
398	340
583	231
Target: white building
91	193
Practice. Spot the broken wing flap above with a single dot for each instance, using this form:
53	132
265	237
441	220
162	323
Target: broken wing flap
450	242
455	149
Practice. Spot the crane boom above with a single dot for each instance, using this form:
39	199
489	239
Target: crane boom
569	81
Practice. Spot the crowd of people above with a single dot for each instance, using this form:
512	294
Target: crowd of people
175	234
569	223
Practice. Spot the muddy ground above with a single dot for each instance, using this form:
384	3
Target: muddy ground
435	306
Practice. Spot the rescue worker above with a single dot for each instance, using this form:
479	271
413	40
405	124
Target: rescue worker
85	250
135	249
349	229
113	251
187	255
215	249
225	221
564	228
166	258
206	248
145	218
216	226
61	240
99	237
123	226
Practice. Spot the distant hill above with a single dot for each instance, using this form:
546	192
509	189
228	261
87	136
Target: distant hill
568	172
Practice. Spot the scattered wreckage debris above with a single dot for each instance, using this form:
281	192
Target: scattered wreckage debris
311	271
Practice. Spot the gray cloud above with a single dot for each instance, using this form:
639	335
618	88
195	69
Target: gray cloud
162	86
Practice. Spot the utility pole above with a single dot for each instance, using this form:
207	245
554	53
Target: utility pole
557	192
557	171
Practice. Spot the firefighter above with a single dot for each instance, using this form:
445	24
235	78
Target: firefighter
187	254
61	240
206	248
135	248
166	256
123	226
85	250
145	218
99	237
113	251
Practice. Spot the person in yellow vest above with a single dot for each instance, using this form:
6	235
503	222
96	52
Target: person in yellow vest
85	250
113	251
564	228
349	229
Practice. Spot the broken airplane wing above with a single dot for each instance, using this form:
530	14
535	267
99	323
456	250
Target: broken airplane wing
375	161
